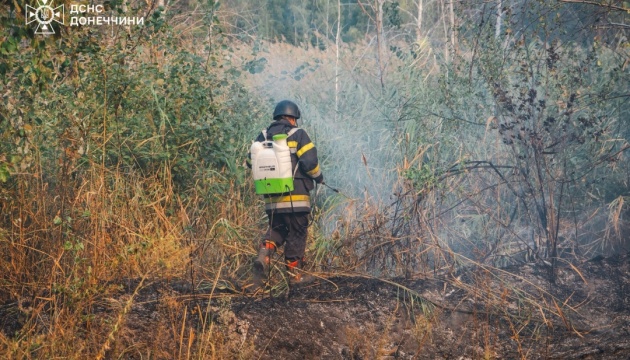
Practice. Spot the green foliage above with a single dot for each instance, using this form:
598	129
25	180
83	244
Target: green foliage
422	178
151	113
4	173
391	11
302	22
79	99
256	66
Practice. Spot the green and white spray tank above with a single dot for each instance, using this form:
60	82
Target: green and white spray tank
271	166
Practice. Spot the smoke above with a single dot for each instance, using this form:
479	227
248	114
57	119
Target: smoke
357	145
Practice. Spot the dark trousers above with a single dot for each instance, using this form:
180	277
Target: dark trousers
290	230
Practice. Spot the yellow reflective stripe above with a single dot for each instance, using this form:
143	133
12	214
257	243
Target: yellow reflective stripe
292	144
288	198
304	149
314	171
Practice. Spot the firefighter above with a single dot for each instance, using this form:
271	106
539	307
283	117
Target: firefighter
289	212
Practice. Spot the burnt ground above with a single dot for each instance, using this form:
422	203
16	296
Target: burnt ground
500	316
480	314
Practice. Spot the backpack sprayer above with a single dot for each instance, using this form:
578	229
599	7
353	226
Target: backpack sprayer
272	169
271	166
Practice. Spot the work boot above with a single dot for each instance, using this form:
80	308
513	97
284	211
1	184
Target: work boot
297	276
261	264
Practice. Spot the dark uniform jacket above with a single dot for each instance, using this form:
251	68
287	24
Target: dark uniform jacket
304	156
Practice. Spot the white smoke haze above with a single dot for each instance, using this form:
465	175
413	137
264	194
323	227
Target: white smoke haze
356	147
380	132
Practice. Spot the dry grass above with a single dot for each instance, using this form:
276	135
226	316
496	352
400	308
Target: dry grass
387	225
57	274
67	249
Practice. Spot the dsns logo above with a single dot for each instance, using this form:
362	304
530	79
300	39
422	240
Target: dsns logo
44	15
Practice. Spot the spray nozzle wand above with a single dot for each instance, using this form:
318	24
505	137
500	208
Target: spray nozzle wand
337	191
330	187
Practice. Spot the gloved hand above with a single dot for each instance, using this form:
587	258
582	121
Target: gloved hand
320	179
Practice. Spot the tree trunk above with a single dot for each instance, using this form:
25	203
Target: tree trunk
327	15
497	30
337	39
419	21
380	40
446	52
453	28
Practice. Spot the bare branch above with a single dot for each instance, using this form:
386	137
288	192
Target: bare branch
620	25
611	7
612	25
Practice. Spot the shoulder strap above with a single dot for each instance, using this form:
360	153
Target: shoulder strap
293	131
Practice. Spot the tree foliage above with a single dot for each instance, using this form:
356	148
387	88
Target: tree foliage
140	99
96	121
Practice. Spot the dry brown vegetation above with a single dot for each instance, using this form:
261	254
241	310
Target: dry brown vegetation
128	223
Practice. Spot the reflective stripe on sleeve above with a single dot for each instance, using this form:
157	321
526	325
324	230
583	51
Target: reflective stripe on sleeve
292	146
315	172
304	149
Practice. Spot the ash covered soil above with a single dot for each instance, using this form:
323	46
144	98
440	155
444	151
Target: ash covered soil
477	313
510	313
